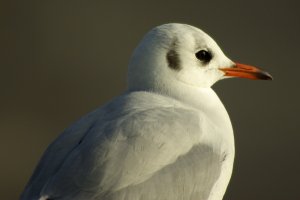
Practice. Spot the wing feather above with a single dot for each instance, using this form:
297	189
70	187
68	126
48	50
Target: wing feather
126	152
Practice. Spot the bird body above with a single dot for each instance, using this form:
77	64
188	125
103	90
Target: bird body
168	137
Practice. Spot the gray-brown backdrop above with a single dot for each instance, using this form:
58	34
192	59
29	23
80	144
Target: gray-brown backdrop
62	59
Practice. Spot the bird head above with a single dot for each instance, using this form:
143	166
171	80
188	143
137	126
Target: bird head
178	54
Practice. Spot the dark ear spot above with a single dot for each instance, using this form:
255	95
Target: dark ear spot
173	60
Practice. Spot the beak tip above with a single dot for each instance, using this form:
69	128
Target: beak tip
266	76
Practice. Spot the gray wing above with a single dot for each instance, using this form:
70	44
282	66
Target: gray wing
154	153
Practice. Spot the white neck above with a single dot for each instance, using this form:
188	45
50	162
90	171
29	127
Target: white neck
203	99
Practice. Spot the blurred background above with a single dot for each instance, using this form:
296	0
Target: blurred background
62	59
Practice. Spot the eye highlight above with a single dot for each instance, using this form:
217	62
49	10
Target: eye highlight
203	56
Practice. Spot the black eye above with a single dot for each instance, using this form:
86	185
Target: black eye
204	56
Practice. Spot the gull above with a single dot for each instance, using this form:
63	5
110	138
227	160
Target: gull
167	137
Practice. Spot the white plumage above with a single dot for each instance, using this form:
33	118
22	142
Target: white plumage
168	137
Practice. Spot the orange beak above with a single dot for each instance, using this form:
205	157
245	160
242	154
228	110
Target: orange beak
246	71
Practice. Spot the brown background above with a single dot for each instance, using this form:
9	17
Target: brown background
62	59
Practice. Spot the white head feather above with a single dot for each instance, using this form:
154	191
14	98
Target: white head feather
165	60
